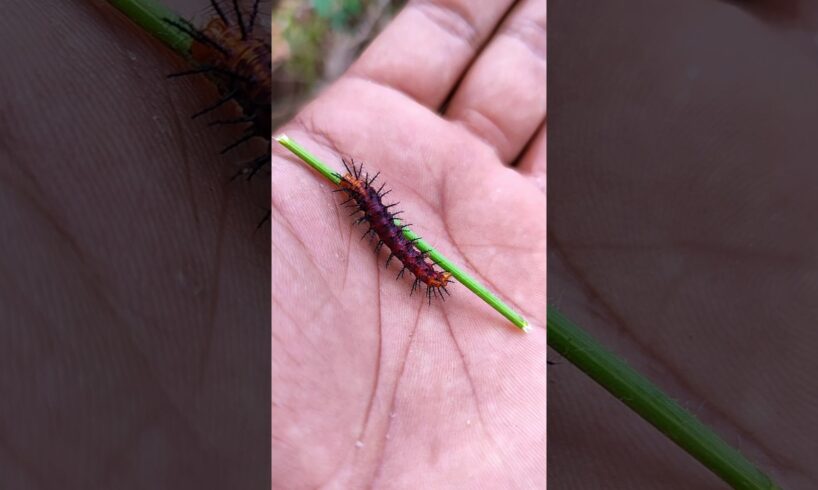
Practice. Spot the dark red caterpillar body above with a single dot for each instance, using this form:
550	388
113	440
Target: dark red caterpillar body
366	199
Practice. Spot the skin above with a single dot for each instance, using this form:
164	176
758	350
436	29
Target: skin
372	387
682	232
135	290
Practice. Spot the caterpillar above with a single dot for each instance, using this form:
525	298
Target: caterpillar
240	65
364	198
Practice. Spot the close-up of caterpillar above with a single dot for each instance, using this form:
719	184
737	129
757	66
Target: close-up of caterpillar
364	198
240	64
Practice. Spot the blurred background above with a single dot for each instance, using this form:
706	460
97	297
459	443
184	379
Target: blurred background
313	42
317	41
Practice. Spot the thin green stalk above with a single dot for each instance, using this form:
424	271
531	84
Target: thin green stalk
441	260
653	405
151	15
308	158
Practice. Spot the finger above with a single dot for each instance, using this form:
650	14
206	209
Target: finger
502	98
532	161
425	50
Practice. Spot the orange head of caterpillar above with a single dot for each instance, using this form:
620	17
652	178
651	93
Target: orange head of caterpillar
435	282
235	57
205	53
352	184
440	280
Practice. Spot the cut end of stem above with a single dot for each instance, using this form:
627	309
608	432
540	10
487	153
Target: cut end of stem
526	327
282	138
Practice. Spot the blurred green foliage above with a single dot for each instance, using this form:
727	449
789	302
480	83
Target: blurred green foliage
340	13
314	29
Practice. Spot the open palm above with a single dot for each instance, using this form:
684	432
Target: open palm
683	232
372	386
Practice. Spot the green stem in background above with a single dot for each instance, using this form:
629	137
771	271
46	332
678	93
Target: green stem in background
150	16
422	245
651	404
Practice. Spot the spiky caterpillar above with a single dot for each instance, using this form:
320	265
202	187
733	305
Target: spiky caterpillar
240	65
362	195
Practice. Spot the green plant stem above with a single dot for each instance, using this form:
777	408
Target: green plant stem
467	280
653	405
150	16
308	158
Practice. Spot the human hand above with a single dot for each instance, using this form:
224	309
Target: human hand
682	232
372	386
134	286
